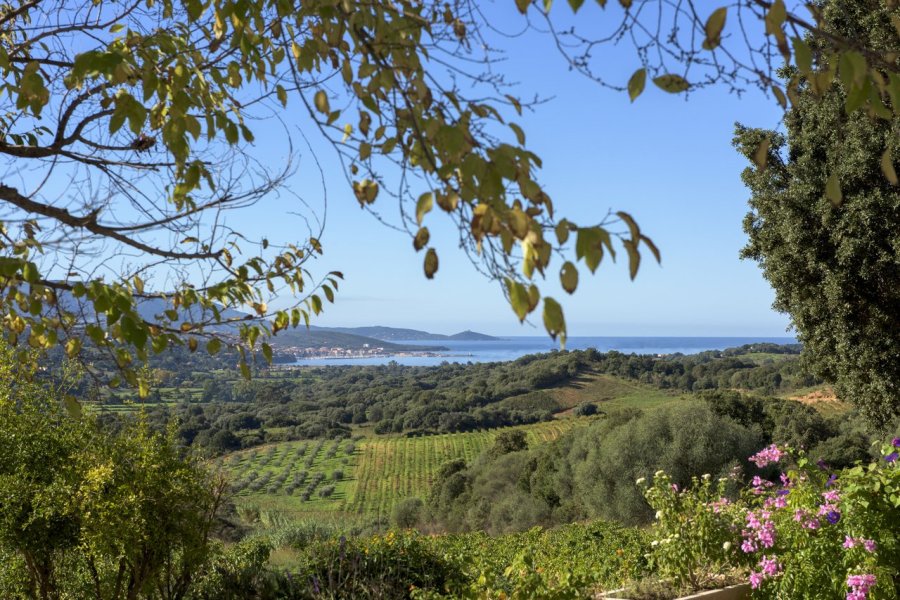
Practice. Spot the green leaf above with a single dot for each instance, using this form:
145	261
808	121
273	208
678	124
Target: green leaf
424	206
575	5
518	299
73	406
213	346
245	369
267	352
761	154
554	322
714	25
802	55
568	277
636	83
671	83
562	232
523	5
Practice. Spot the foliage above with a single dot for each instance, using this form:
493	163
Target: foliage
822	220
590	471
387	566
693	531
90	515
814	534
138	141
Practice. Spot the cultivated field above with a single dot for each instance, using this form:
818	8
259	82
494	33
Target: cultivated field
364	479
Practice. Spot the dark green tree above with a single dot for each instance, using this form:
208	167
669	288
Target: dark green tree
823	225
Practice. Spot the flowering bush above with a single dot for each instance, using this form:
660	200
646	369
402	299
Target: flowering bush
813	534
693	543
821	534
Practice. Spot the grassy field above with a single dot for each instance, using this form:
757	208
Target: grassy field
296	480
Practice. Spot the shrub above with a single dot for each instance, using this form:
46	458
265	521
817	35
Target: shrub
407	513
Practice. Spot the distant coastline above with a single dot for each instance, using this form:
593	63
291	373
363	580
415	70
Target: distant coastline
432	353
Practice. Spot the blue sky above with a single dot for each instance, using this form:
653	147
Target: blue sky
666	160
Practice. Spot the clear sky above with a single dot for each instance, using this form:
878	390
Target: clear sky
666	160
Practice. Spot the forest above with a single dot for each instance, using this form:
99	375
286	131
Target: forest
218	411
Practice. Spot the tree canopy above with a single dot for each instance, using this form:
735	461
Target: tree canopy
128	132
831	252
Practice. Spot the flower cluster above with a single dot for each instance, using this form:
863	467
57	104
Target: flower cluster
760	531
859	586
868	545
769	567
767	456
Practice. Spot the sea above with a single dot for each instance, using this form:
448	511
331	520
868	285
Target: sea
511	348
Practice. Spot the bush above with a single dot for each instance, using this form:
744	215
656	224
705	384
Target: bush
407	514
388	567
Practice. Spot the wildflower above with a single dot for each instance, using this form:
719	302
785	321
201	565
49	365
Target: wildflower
831	481
785	480
870	545
891	457
849	542
766	456
640	481
726	546
674	487
895	442
822	464
833	516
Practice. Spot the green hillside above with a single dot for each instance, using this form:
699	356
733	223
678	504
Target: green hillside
374	473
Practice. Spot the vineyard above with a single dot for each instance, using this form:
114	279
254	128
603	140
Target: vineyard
366	478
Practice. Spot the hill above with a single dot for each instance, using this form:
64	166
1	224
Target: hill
408	335
318	337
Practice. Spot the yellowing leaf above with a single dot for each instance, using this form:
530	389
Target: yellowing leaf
568	277
636	83
523	5
424	206
431	263
714	25
673	84
421	239
321	102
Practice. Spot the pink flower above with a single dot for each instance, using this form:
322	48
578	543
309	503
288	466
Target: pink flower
769	565
849	542
870	545
756	579
832	496
859	586
766	456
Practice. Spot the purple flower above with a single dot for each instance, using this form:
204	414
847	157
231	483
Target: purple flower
831	481
833	516
822	464
870	545
895	442
891	457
